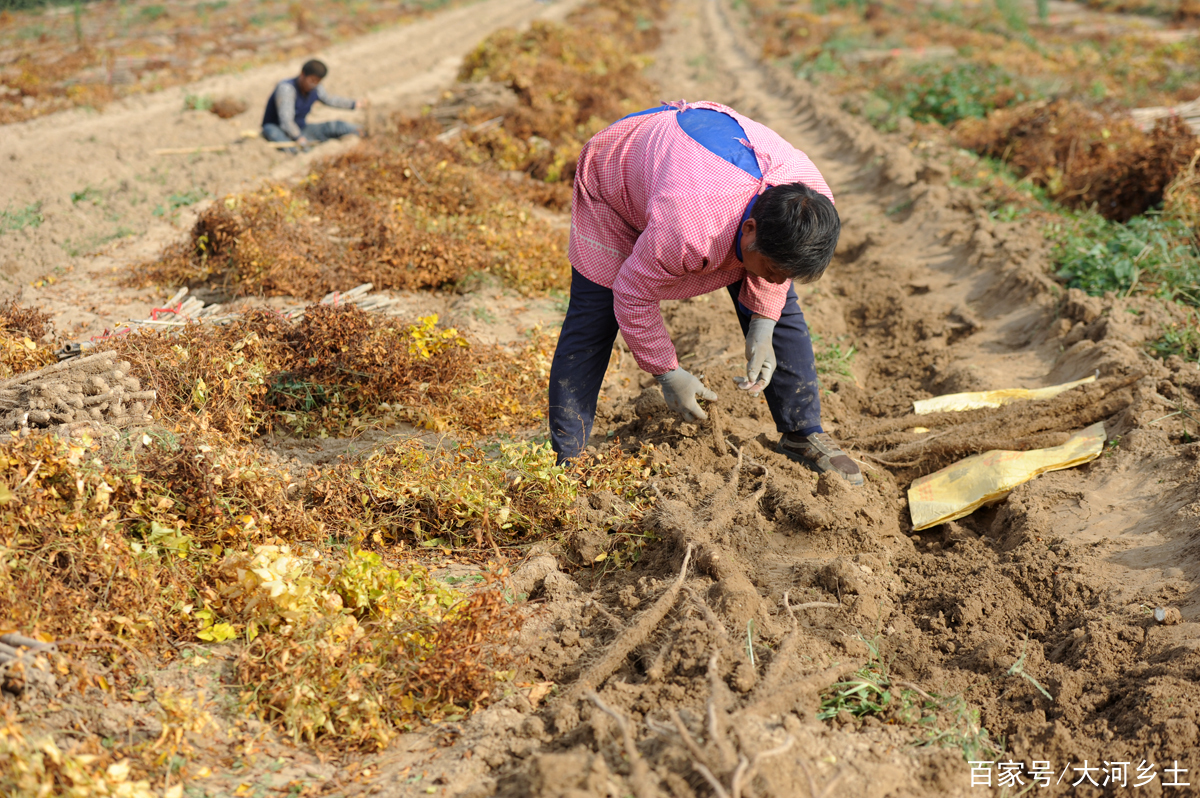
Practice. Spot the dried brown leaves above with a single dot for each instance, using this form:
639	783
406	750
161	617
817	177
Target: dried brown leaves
336	367
358	682
1083	157
571	81
21	345
408	213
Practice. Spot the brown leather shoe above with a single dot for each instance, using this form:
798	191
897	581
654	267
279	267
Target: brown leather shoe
821	454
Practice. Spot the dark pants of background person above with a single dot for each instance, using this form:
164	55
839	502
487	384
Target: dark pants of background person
586	342
322	131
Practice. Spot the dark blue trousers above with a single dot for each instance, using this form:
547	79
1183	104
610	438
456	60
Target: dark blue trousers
585	346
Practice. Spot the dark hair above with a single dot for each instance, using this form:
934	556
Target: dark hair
315	68
797	229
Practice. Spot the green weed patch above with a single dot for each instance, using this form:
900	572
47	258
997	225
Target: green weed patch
832	357
941	94
944	721
14	219
962	91
1149	254
1179	339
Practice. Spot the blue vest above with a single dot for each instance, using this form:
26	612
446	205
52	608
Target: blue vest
722	135
304	104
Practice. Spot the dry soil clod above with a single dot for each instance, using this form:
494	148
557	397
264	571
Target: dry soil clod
1168	616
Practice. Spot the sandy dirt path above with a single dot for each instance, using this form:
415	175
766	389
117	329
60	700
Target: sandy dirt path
100	189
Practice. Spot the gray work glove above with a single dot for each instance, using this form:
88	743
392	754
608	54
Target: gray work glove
760	355
680	389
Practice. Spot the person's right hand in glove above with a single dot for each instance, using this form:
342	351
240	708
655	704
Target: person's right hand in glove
680	389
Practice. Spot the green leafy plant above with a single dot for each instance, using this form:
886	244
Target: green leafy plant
87	194
935	93
1018	669
197	102
828	61
957	725
180	200
1150	254
1013	13
1179	339
12	220
832	358
947	721
867	692
151	13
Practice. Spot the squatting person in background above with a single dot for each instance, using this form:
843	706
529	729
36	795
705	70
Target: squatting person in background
287	109
678	201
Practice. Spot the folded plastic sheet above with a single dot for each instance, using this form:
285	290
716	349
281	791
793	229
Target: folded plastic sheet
973	400
969	484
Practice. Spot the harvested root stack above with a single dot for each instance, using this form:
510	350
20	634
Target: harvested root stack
90	391
1017	426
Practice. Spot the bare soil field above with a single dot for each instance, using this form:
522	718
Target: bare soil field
689	613
85	55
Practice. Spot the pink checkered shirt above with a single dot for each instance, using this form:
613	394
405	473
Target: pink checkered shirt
655	214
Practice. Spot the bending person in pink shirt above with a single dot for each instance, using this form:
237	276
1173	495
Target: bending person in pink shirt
678	201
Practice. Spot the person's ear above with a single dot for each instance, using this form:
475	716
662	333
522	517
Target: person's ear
749	231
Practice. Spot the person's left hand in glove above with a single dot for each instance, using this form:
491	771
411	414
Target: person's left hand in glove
760	354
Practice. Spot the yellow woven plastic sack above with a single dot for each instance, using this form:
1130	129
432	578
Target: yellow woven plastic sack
969	484
973	400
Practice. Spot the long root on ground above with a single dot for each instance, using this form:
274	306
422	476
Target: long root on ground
1017	426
